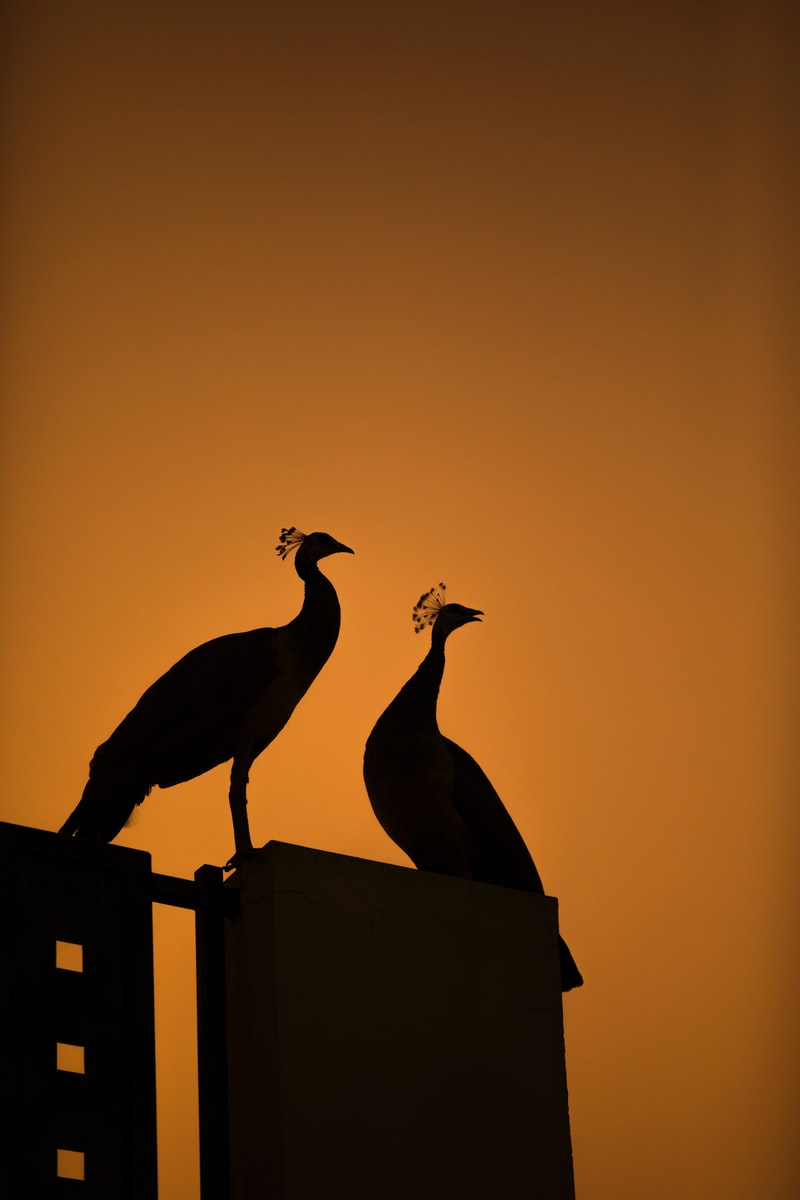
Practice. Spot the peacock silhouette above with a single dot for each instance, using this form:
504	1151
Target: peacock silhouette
226	699
430	795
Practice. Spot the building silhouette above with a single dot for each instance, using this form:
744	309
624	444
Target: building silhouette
364	1030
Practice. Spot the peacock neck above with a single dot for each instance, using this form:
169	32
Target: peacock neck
320	616
417	699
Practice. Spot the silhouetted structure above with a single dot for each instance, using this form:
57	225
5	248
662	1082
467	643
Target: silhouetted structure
227	699
393	1033
77	1007
363	1030
430	795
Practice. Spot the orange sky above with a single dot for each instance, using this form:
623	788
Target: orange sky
494	296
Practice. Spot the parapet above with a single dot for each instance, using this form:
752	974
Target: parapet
392	1033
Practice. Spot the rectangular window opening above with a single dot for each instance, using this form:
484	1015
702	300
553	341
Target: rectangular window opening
70	1164
70	1058
69	956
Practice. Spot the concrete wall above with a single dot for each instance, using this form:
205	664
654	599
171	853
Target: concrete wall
393	1035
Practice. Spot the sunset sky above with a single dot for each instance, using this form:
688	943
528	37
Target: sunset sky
493	293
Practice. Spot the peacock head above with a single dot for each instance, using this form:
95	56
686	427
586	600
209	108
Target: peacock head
310	547
432	609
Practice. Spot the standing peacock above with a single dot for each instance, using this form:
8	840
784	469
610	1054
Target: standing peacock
226	699
430	796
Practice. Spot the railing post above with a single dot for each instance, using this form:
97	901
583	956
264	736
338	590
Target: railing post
212	1054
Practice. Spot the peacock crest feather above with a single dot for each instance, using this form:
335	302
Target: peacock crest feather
289	540
428	607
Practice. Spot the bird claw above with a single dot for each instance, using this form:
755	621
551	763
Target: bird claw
238	859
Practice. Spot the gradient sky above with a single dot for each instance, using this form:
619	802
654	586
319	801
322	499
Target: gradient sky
493	294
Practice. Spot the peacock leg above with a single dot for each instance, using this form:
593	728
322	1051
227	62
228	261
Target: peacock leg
237	796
